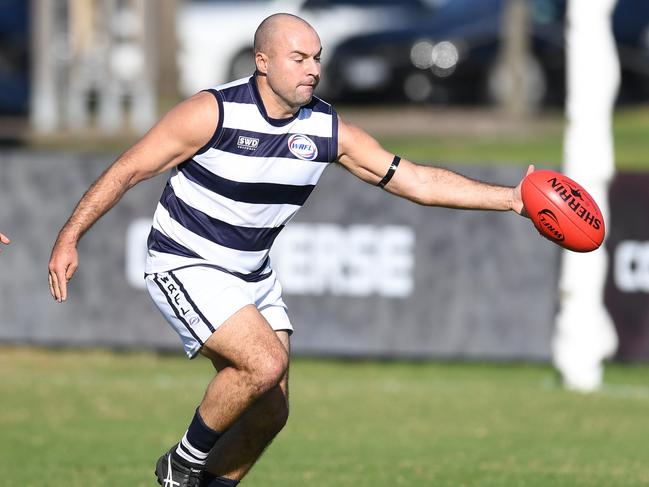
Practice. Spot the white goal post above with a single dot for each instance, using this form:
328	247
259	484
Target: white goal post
585	335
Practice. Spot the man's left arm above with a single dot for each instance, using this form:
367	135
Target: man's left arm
364	157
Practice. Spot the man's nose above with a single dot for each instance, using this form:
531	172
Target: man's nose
313	67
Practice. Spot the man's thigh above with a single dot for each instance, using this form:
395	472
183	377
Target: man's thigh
244	340
197	301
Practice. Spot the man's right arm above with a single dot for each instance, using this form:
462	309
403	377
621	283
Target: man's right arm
175	138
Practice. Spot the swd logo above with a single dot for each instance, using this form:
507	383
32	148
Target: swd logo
247	143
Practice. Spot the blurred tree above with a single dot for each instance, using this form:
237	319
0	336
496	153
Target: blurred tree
166	50
44	115
97	63
515	55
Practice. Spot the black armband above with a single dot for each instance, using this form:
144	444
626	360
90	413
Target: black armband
390	173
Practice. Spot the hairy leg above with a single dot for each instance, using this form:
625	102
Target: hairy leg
256	360
241	446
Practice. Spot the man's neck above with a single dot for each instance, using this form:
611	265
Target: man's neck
275	107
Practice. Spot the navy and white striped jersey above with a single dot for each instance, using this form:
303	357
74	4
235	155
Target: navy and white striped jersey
225	206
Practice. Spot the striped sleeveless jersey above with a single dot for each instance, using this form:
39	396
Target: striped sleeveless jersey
225	206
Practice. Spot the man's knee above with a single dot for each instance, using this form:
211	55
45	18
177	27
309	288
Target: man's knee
247	344
268	371
264	369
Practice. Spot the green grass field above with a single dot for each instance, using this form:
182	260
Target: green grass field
541	143
94	418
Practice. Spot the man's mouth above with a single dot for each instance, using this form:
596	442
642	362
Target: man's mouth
311	84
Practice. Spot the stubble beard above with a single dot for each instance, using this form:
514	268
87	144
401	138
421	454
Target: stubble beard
306	99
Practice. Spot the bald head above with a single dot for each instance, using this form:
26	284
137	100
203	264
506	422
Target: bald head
287	61
267	32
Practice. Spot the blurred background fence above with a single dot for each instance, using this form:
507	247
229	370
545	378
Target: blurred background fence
402	281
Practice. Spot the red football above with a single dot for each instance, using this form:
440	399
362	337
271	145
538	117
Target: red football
563	211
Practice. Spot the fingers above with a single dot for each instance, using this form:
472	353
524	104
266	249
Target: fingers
523	211
58	285
72	268
517	198
5	240
51	280
62	267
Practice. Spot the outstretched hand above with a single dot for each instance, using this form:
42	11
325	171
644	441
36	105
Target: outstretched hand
517	200
63	264
4	239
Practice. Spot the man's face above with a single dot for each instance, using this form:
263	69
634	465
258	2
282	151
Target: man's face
293	64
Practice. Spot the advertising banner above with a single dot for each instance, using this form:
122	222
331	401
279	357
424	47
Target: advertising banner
627	283
364	273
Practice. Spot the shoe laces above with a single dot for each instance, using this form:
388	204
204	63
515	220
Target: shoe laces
169	480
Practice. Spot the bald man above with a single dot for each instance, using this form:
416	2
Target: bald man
243	158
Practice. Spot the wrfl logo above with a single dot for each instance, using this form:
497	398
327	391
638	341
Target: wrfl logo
302	147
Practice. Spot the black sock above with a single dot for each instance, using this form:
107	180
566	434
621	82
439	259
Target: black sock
210	480
197	442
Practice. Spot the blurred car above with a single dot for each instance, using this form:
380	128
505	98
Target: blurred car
453	56
215	37
631	31
14	46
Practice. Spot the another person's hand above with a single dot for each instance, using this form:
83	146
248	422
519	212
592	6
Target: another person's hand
517	201
4	239
63	263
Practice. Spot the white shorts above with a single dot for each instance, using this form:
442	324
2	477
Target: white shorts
197	300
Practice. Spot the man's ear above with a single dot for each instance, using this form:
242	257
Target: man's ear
261	62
